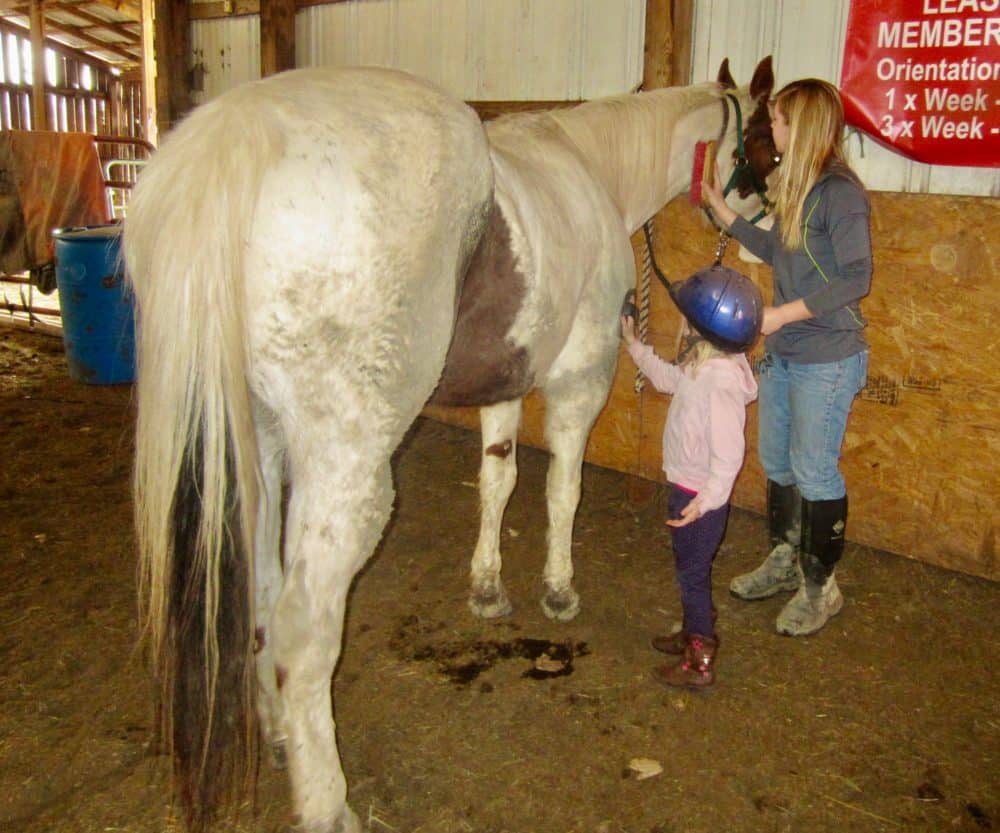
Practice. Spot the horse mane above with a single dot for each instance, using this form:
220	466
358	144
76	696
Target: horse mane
629	142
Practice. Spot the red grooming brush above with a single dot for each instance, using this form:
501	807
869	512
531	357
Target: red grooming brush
703	170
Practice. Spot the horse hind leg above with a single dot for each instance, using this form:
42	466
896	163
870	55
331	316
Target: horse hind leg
497	476
335	516
268	579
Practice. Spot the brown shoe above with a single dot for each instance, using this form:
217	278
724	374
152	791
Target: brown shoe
676	643
696	669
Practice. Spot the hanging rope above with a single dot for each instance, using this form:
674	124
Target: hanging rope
645	280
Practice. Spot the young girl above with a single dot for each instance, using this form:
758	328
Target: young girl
703	446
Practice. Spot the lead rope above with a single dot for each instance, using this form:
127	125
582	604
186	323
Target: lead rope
649	265
645	280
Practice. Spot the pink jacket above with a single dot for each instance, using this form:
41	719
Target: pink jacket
703	442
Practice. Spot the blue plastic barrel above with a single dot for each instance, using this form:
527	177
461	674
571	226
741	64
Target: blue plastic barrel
97	312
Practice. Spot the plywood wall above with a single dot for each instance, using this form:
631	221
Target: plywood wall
923	443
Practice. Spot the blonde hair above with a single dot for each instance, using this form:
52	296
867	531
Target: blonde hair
698	350
815	117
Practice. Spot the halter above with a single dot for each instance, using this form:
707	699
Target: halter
743	162
742	165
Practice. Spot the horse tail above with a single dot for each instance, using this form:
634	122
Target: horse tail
196	472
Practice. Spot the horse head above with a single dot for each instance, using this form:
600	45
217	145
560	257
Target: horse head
753	154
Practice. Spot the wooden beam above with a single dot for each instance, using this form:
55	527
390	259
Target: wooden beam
277	36
682	26
226	8
96	22
659	46
171	39
235	8
14	27
128	8
114	47
487	110
39	112
149	121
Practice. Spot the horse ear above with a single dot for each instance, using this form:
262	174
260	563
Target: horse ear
763	80
724	77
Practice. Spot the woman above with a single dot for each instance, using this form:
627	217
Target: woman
816	356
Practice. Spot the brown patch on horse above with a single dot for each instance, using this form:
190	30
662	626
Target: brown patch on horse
482	366
259	639
757	139
760	150
500	450
280	675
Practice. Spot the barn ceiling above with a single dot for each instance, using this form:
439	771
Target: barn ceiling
108	30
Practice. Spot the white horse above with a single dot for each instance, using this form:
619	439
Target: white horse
314	256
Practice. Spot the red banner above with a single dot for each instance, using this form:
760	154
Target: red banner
923	76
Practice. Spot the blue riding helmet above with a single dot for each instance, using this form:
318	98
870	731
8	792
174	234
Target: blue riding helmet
721	304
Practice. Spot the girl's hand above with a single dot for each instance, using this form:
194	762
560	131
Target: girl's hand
689	514
628	330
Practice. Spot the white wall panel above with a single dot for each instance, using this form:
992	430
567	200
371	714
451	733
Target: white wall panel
486	49
228	51
806	38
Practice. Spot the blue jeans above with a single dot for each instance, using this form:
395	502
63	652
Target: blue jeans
802	418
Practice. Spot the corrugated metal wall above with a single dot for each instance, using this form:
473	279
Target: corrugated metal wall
486	50
566	50
806	38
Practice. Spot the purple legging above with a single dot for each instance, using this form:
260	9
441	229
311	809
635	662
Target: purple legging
695	546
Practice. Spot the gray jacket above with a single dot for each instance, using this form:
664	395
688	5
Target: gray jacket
831	271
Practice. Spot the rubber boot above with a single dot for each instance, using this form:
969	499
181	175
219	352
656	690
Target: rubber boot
676	642
697	667
819	598
778	571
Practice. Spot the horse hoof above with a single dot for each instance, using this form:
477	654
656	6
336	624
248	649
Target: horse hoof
561	605
491	603
346	822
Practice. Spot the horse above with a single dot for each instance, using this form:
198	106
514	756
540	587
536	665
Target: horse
313	258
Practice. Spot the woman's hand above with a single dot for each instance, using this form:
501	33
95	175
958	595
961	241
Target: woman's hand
712	196
771	321
776	317
628	330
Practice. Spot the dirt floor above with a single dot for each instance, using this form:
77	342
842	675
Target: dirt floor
888	720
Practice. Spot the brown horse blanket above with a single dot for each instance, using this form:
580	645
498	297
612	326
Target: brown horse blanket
48	181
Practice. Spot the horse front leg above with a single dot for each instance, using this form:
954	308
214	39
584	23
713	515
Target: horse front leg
497	476
335	517
571	406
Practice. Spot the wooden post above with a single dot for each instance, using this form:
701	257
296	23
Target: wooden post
659	46
682	17
277	36
148	16
39	110
170	45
